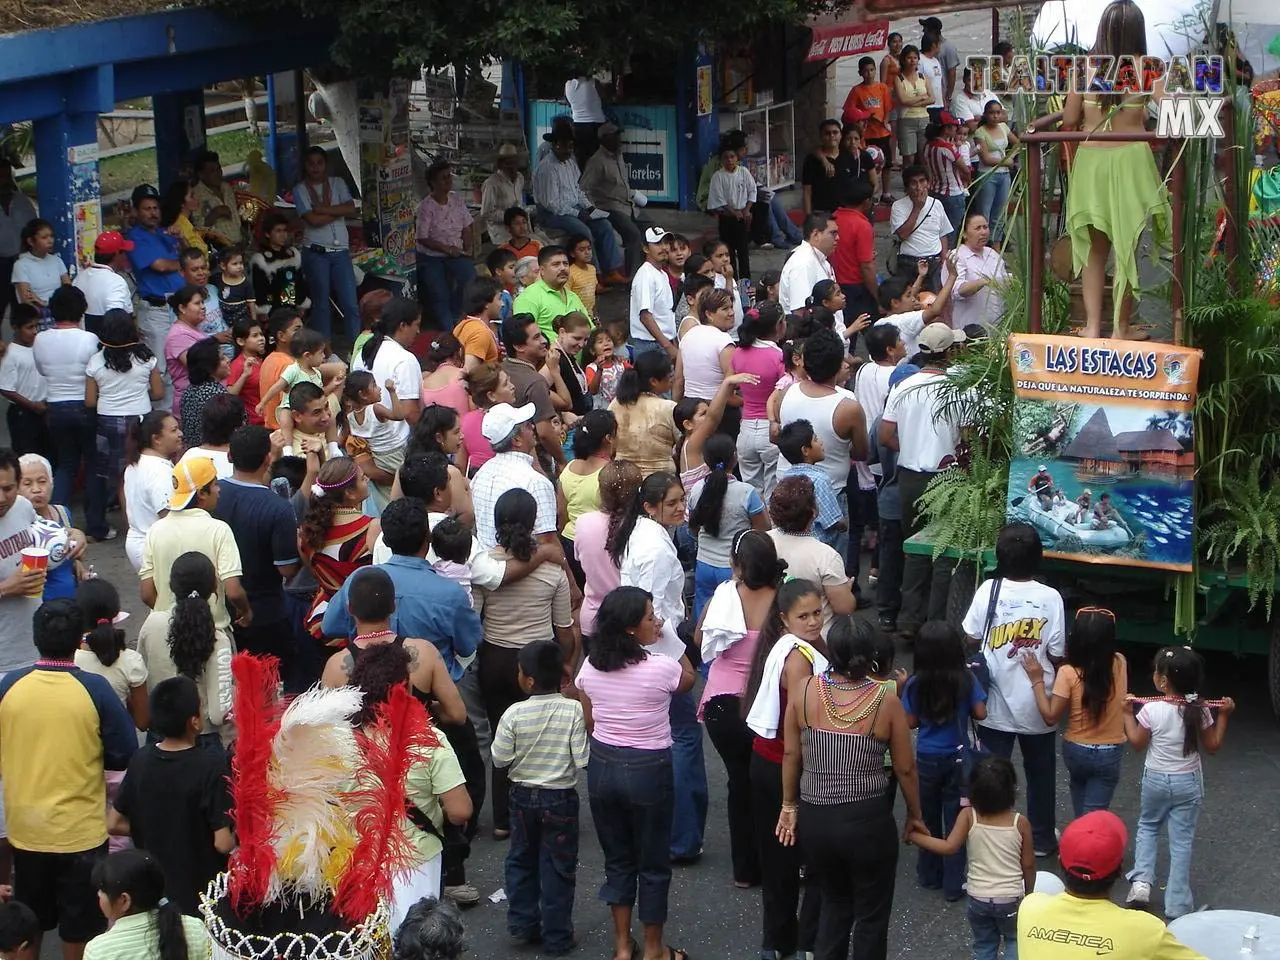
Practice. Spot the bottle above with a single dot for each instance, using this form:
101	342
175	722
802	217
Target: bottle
1250	940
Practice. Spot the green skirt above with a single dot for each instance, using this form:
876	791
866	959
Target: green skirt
1116	190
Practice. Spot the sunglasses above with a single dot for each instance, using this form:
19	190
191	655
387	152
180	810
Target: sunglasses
1098	611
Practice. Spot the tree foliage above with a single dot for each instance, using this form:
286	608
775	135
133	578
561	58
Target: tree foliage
380	37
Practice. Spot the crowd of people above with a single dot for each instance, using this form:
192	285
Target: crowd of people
583	541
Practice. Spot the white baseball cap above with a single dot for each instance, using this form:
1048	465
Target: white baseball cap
502	419
655	235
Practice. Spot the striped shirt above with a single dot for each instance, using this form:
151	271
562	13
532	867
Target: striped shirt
136	937
544	742
941	159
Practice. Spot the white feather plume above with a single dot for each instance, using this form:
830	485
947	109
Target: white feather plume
315	759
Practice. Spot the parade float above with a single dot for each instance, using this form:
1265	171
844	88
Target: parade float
319	813
1179	432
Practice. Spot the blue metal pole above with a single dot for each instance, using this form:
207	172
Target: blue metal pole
271	123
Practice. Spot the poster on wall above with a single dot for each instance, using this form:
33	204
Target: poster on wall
372	123
398	211
86	201
705	104
1104	448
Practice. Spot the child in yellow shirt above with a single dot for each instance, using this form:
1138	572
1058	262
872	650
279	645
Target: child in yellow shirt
582	274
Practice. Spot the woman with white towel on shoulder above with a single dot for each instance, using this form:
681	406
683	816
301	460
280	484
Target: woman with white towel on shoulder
728	636
788	648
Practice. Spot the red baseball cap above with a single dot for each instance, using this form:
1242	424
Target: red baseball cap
1092	846
856	114
947	120
112	242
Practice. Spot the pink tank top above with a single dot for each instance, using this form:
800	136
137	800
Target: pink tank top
730	671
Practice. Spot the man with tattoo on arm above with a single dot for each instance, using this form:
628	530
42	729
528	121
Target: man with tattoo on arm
371	602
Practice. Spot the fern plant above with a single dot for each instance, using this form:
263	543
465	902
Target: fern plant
964	507
1248	528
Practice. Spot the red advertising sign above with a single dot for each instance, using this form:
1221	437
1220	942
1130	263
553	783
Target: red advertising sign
847	39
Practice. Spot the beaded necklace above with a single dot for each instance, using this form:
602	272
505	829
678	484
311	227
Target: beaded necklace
373	636
867	695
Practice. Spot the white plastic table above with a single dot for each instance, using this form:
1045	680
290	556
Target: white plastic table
1220	934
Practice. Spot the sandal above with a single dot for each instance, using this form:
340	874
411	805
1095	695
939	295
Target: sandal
636	952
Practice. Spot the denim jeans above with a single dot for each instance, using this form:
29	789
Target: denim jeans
852	848
991	922
441	281
991	199
953	207
542	865
706	579
74	430
330	274
781	229
1041	768
1173	800
1093	772
632	793
941	786
603	242
689	809
757	457
733	740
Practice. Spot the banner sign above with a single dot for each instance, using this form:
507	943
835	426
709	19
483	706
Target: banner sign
847	39
1104	450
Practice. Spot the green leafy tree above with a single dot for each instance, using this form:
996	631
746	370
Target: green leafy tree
381	37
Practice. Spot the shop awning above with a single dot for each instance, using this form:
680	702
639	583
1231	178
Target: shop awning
834	40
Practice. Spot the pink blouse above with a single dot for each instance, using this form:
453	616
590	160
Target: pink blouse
478	450
589	536
442	223
764	359
730	671
453	394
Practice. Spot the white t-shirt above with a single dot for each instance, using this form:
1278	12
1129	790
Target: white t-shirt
925	436
128	671
122	394
43	274
62	354
1164	753
103	290
700	350
805	267
925	240
148	484
909	325
651	291
584	100
931	67
18	373
1029	619
221	461
965	108
381	434
393	362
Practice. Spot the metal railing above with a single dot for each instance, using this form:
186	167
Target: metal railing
1035	137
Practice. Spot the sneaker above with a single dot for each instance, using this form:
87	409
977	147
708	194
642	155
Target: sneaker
111	534
1139	895
464	895
766	246
1057	835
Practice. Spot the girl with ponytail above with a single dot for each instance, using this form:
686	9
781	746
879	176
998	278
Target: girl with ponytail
721	508
728	635
144	924
1172	728
595	530
182	641
758	353
103	651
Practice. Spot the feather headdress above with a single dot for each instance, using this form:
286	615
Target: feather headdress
315	758
400	736
253	797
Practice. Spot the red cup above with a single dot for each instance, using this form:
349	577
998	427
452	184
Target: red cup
35	558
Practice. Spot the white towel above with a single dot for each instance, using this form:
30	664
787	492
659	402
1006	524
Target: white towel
723	623
765	717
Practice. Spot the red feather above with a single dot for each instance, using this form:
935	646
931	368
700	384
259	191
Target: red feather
401	734
257	716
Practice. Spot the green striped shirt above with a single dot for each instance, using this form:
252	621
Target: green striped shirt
136	937
544	742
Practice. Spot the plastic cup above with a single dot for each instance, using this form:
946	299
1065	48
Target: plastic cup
35	558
